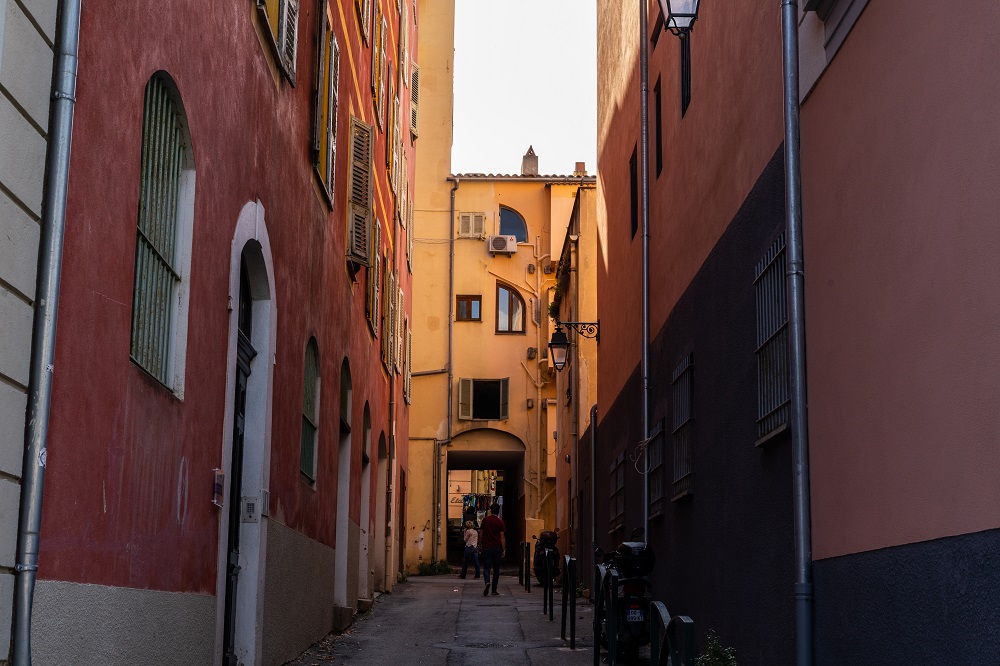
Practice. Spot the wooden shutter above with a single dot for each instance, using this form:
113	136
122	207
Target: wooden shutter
409	241
414	98
479	225
374	276
390	152
359	216
364	8
320	84
504	398
383	63
289	35
408	382
464	225
465	399
375	53
399	327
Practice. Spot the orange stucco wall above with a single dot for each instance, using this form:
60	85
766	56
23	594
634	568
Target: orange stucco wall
901	243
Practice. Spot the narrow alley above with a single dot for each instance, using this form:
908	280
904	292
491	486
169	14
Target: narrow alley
444	620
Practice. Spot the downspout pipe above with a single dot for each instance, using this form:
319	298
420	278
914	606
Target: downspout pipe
796	343
43	340
593	487
451	364
644	178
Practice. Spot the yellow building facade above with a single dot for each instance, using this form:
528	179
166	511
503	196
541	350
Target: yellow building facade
485	257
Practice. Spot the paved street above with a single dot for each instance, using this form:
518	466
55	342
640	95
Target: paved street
445	620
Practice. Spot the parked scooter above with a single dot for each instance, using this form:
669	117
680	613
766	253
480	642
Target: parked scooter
633	560
546	541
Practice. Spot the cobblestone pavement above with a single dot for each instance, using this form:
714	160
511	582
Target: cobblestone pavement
444	620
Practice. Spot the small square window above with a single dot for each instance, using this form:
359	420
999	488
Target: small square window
468	308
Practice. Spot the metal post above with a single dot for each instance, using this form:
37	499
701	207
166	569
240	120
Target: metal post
565	595
612	622
549	580
527	567
40	374
571	574
596	595
796	342
520	563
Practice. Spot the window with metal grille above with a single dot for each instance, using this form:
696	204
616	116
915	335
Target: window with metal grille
163	238
772	343
616	514
657	470
510	310
310	411
682	393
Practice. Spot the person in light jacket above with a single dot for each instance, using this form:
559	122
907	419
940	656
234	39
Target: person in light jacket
471	549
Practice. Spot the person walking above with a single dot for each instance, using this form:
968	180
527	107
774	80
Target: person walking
491	534
471	549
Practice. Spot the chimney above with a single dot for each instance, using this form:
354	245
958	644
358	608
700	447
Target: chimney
581	170
529	163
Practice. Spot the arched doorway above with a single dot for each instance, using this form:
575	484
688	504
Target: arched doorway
364	575
343	488
383	502
246	447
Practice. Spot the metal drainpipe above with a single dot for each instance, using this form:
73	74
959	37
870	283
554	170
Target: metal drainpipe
797	346
644	177
44	334
451	359
593	485
541	438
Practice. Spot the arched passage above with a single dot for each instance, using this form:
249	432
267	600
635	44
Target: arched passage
483	465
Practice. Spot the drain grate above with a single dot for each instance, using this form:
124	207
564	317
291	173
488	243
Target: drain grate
491	645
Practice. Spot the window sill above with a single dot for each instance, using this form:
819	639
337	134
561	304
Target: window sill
761	441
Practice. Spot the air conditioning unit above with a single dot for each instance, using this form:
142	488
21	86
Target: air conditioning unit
502	244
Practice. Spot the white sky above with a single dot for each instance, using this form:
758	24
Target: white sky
525	74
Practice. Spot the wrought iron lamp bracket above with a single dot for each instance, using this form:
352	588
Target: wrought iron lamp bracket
588	329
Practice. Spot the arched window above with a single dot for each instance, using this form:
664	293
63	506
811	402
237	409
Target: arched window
163	237
310	412
510	310
512	224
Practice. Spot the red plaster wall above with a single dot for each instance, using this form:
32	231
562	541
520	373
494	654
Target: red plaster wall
712	157
901	189
117	508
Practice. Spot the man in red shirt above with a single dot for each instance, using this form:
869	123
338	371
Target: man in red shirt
491	536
